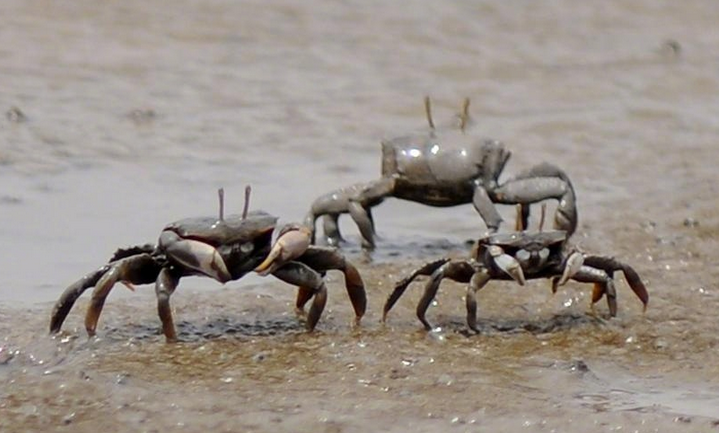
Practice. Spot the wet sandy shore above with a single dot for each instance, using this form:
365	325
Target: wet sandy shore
136	112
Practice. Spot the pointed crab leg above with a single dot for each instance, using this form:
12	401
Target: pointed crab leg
610	265
164	287
323	259
70	295
479	280
301	275
290	245
401	286
508	264
138	269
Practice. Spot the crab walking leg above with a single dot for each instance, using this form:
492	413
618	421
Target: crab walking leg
355	200
304	294
427	269
459	271
70	295
364	223
486	208
611	265
365	197
478	280
299	274
323	259
542	182
139	269
603	283
164	287
330	225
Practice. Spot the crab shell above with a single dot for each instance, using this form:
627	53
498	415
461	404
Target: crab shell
223	249
436	172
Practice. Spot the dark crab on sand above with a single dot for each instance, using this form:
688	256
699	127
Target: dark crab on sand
222	248
446	168
520	256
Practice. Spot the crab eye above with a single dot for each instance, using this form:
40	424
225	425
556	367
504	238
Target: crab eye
544	254
523	256
247	247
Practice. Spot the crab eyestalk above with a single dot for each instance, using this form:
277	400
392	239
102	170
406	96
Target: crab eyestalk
248	190
542	216
428	112
508	264
464	115
221	197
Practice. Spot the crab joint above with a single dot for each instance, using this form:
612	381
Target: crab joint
289	246
508	264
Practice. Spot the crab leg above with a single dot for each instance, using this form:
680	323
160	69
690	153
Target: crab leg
542	182
299	274
304	294
139	269
164	287
486	208
610	265
323	259
427	269
330	225
459	271
603	284
478	280
70	295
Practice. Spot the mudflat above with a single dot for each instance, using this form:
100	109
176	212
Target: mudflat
123	116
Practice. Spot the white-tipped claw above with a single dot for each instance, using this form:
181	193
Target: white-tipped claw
287	247
574	263
200	257
508	264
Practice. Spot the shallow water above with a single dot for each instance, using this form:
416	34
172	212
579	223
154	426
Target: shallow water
136	112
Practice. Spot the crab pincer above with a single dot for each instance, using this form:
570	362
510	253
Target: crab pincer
293	241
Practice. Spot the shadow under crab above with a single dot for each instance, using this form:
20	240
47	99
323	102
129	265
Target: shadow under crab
520	256
224	249
442	172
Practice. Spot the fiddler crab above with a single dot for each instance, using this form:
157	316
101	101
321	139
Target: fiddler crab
449	171
222	248
521	256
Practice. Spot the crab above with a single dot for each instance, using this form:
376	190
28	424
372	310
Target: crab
521	256
451	171
222	248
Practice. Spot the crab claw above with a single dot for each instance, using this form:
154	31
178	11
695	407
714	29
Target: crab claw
508	264
571	267
196	255
290	245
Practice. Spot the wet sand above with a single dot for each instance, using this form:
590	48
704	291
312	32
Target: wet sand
136	112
